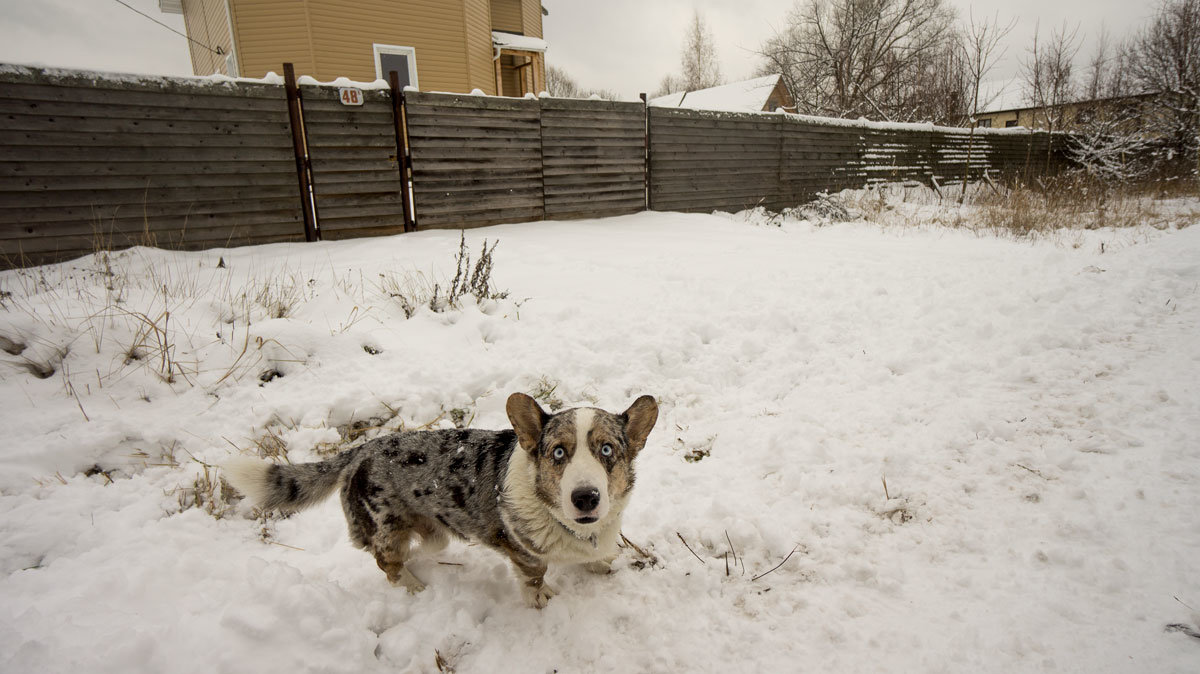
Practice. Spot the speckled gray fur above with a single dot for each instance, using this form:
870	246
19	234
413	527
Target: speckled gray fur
407	481
414	489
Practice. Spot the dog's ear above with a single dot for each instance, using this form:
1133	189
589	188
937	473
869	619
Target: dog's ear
527	419
639	419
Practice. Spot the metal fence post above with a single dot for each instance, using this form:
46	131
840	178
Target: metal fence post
299	146
403	156
646	148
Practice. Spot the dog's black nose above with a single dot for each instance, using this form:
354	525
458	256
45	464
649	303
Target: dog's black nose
585	499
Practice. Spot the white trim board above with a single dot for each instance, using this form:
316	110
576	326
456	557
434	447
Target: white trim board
410	52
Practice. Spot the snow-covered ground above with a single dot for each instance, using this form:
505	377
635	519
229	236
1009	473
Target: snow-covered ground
1032	406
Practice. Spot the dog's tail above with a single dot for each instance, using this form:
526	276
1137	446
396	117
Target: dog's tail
286	486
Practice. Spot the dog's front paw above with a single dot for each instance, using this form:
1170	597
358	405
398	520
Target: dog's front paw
538	594
601	567
408	581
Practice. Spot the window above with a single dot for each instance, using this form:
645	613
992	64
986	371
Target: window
401	59
1010	123
985	123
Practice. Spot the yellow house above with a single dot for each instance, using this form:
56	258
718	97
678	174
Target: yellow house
435	45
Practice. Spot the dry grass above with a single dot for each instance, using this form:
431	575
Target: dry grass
544	391
413	290
208	492
1077	202
1040	209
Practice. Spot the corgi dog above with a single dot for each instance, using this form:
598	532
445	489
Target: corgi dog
551	490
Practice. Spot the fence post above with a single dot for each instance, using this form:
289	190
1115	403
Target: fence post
299	146
646	148
403	157
780	191
542	151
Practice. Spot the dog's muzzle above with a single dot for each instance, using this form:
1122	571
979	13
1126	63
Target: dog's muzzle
586	500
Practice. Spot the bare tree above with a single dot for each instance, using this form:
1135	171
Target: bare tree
1048	71
699	57
869	58
934	89
1107	142
668	85
977	44
1164	59
1107	147
1106	74
561	85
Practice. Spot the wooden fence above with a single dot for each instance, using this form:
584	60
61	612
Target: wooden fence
355	164
89	161
704	161
481	161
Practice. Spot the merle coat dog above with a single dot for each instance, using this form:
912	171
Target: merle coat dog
552	489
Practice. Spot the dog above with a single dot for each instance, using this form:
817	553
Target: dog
551	490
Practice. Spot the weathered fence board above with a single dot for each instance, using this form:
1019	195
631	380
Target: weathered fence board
357	184
575	134
476	160
90	163
703	161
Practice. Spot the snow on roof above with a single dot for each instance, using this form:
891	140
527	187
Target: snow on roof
1005	95
519	42
744	96
185	80
1001	95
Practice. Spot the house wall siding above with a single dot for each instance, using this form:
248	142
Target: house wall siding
477	16
531	17
208	23
270	32
507	16
333	38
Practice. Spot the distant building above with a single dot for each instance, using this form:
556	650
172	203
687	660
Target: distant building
1005	105
436	45
761	94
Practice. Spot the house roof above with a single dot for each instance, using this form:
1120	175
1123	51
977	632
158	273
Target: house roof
518	42
744	96
1009	95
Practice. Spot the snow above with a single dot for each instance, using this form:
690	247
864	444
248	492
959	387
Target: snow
137	78
744	96
1032	406
860	123
519	42
197	81
308	80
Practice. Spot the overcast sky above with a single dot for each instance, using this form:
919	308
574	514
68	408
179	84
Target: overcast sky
623	45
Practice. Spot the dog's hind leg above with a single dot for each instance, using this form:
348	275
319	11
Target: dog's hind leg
391	549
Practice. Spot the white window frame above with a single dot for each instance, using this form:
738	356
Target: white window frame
410	52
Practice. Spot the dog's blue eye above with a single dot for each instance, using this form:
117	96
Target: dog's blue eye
559	453
606	450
